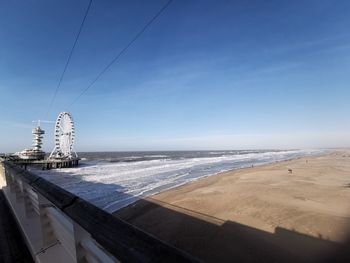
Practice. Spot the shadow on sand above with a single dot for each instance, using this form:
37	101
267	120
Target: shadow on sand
211	239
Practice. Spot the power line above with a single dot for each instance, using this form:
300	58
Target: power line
122	51
69	58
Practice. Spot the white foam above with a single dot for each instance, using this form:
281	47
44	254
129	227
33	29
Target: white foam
112	186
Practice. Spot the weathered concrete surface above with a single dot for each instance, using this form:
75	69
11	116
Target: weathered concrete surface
12	246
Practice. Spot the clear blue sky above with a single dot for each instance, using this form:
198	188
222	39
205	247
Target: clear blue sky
205	75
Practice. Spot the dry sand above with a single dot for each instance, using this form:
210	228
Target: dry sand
256	214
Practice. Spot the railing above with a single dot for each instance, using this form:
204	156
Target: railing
60	227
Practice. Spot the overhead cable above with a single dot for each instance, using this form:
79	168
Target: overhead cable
69	58
121	52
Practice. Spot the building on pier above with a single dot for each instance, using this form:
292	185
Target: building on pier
36	152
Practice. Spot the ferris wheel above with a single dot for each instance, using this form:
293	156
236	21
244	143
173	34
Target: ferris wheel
64	137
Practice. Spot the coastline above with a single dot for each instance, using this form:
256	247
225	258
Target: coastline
222	173
312	201
114	185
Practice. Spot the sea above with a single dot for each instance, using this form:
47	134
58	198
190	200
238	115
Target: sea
113	180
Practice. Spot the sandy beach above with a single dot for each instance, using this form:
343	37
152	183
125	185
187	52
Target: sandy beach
296	210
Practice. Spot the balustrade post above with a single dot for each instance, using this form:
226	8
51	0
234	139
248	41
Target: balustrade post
48	235
79	235
2	175
28	205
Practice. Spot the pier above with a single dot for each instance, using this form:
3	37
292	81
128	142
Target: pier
46	164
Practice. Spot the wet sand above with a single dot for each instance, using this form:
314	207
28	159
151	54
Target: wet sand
265	213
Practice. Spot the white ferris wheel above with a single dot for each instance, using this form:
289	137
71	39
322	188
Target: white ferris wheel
64	137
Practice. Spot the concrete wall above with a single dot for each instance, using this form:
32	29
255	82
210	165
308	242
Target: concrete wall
60	227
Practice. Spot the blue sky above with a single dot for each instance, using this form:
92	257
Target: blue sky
205	75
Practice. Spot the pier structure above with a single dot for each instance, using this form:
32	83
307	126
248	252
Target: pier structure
59	226
35	153
47	164
63	154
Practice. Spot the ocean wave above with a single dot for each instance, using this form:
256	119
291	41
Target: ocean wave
157	156
113	185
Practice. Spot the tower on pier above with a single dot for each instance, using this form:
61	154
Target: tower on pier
37	143
36	152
